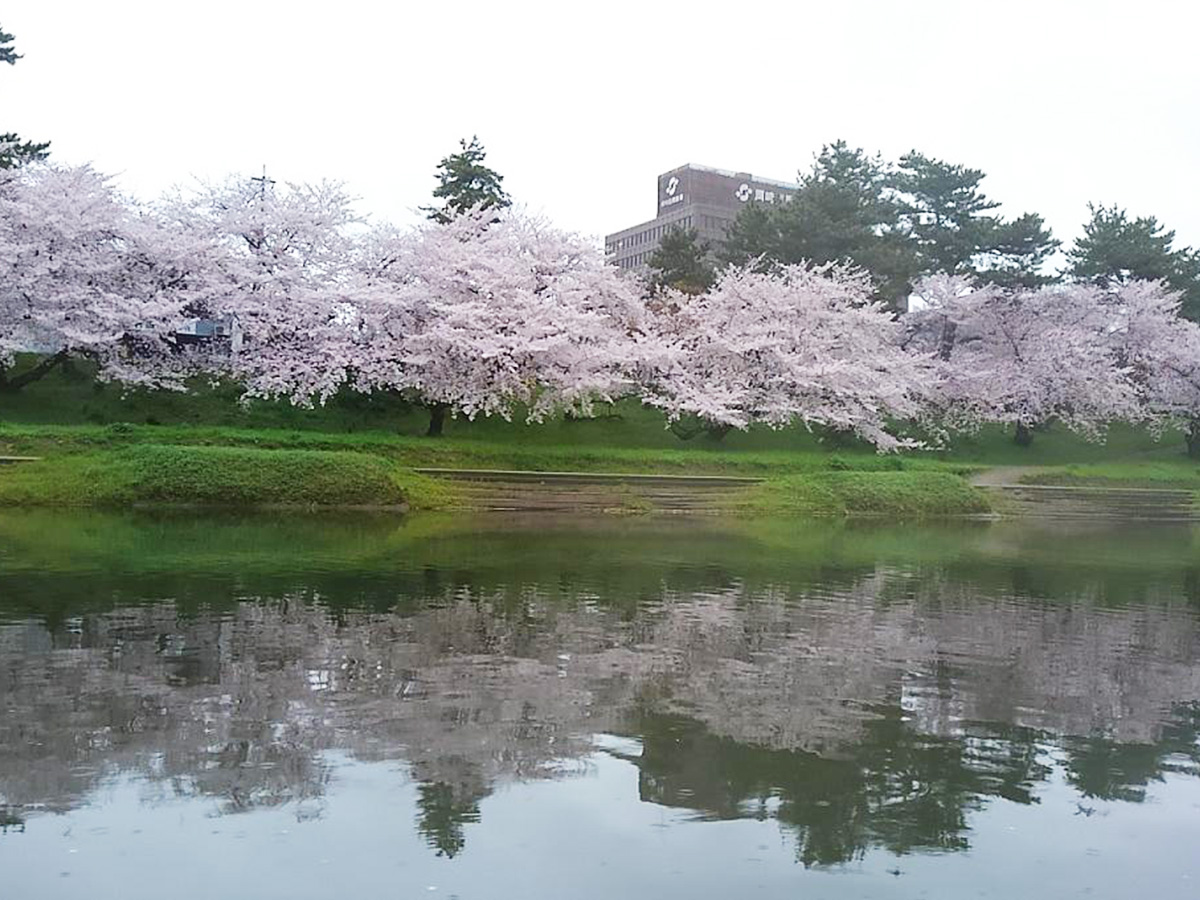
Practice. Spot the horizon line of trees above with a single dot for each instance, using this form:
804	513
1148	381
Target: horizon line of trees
488	311
919	217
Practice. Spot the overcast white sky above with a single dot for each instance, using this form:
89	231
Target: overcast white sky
580	106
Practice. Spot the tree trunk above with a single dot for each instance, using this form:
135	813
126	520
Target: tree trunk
686	429
437	419
946	345
1024	435
41	370
1192	436
716	431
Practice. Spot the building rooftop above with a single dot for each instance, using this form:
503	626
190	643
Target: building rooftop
729	173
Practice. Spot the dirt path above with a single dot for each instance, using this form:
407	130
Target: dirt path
1004	475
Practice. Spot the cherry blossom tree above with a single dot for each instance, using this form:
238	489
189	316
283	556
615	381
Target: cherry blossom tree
800	344
85	273
493	311
281	263
1021	357
1161	350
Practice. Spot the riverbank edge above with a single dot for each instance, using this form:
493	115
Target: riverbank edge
183	476
88	466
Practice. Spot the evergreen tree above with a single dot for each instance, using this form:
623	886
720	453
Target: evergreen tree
464	182
14	151
681	261
1015	253
951	223
1117	249
948	216
845	211
754	234
7	53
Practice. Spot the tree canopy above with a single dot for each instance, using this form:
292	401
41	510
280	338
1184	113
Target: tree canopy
896	222
498	313
13	150
681	261
845	211
1116	249
955	231
7	53
464	182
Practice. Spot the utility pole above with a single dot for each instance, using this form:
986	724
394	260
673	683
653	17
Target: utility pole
257	237
263	181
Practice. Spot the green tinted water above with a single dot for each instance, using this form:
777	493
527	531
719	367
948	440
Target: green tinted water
498	707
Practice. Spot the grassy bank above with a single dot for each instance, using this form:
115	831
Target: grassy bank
157	474
469	453
72	397
108	447
1169	474
224	476
891	494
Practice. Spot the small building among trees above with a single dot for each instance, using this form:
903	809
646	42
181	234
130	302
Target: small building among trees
695	198
222	331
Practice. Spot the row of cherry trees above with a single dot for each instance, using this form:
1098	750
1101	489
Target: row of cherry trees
494	311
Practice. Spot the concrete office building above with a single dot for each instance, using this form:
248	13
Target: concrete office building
694	197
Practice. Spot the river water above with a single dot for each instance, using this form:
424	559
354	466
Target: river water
507	708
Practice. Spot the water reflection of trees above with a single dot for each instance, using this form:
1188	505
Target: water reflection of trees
895	788
1110	770
867	706
443	811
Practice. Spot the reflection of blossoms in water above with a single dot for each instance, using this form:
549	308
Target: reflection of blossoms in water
880	711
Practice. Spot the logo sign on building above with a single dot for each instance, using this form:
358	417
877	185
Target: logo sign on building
671	189
744	192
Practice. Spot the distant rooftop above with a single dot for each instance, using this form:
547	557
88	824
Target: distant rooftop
729	173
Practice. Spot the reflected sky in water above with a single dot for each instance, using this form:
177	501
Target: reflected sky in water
504	707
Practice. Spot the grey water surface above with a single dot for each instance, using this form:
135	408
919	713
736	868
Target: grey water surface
506	708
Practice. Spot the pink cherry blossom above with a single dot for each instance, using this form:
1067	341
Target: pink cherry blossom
799	345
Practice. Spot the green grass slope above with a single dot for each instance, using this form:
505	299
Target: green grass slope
225	476
892	494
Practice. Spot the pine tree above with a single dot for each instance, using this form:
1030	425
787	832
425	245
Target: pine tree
846	211
13	151
465	182
754	234
951	223
7	53
1015	253
1116	249
681	261
948	215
